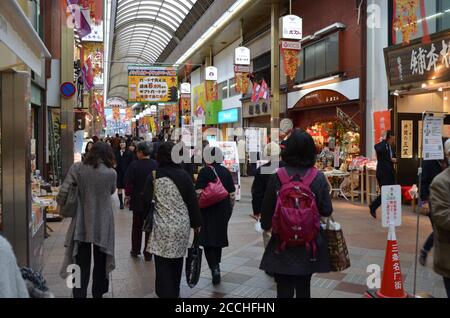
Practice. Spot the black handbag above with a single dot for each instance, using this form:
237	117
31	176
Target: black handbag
194	263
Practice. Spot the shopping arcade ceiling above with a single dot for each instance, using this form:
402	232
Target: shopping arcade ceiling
146	31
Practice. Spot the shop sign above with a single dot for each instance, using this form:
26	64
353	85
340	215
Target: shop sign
256	109
150	84
211	73
382	123
291	26
228	116
391	199
321	97
407	139
241	69
185	88
432	138
289	52
242	56
410	66
291	45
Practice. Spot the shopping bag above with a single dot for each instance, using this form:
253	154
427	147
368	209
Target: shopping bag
194	263
339	257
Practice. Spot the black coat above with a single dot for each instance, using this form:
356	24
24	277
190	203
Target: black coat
260	184
295	261
430	169
385	166
122	163
136	177
215	218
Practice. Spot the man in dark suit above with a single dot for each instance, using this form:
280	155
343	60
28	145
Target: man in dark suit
385	167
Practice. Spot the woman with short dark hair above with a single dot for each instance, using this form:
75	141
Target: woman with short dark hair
124	157
175	213
87	149
93	224
294	266
215	218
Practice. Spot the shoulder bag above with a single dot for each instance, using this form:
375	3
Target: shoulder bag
214	192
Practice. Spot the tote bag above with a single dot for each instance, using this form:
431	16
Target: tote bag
194	263
214	193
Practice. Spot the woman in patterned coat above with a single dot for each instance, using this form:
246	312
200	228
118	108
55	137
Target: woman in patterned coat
176	212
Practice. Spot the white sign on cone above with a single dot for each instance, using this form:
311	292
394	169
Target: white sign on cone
391	203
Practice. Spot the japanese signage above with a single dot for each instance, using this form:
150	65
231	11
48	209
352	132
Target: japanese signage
94	50
242	56
185	88
148	84
231	162
432	138
291	61
391	199
291	27
211	91
382	123
116	113
241	74
199	101
185	103
418	63
407	139
321	97
211	73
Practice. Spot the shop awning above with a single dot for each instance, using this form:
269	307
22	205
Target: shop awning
18	35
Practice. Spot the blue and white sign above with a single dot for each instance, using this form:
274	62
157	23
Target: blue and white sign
228	116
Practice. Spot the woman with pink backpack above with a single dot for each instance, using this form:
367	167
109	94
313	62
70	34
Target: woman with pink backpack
295	199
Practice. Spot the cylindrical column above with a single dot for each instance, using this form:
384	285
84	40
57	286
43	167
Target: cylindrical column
275	61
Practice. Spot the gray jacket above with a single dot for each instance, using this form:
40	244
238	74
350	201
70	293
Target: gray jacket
94	220
12	284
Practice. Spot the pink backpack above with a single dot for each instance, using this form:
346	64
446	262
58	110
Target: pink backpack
296	221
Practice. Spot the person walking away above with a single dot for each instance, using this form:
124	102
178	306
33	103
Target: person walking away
87	149
430	169
214	234
92	227
12	285
262	177
176	212
385	167
123	159
136	177
294	265
440	216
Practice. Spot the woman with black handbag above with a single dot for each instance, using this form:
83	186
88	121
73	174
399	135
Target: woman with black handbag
215	217
176	211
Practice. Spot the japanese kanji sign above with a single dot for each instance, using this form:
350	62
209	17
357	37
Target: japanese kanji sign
432	138
417	63
148	84
407	139
391	199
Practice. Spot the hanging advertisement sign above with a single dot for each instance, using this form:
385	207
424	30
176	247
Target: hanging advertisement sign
94	51
432	138
211	73
407	139
199	101
290	54
241	74
242	56
185	88
149	84
231	162
382	123
211	91
116	113
291	27
391	198
185	104
129	113
212	112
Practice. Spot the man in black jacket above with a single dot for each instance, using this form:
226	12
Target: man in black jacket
385	167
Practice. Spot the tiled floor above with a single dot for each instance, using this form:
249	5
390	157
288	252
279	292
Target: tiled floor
241	277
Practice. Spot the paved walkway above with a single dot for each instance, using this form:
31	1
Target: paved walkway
241	277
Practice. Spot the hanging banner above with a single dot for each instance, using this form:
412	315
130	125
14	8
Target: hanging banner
116	113
199	101
231	162
129	113
242	56
211	91
241	74
432	138
382	123
149	84
212	112
185	104
290	51
94	51
407	139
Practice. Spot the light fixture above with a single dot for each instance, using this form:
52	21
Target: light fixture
440	89
322	80
424	85
396	93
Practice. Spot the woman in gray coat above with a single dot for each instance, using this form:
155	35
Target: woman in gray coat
93	223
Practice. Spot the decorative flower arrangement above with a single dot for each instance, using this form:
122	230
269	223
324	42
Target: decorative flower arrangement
406	19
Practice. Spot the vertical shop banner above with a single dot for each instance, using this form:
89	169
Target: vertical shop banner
129	113
116	113
199	101
87	72
185	104
290	53
211	91
241	75
432	138
231	162
212	112
150	84
94	52
407	139
391	198
382	123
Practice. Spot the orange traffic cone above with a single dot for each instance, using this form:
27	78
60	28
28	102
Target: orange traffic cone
392	281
